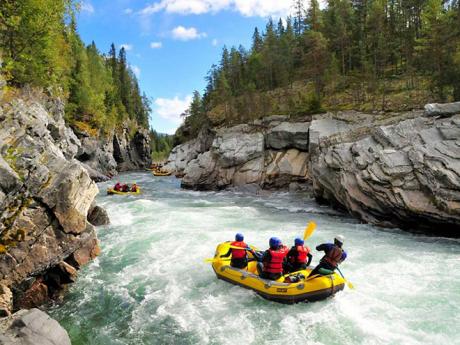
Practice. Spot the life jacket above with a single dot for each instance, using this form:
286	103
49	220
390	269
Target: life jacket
275	265
134	188
117	187
302	254
238	253
333	257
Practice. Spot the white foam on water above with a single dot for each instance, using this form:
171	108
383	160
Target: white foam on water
151	286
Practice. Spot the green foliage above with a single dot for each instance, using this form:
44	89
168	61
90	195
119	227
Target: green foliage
41	47
352	54
161	145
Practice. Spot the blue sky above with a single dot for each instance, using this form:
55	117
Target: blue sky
171	44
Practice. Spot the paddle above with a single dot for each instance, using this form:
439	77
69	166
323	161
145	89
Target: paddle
349	284
309	230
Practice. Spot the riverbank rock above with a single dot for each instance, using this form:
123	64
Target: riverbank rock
244	157
97	216
32	327
404	173
45	196
182	155
117	151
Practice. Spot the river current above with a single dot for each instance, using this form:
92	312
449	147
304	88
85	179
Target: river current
151	285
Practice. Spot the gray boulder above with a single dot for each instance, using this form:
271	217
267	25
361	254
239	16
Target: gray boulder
97	216
288	135
236	146
32	327
444	109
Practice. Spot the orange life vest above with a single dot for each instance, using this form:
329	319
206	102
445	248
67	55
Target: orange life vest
275	265
302	254
333	257
238	253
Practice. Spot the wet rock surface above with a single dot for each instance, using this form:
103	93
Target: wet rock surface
32	327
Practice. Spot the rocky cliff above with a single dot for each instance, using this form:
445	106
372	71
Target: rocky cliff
118	151
45	197
403	170
389	169
269	153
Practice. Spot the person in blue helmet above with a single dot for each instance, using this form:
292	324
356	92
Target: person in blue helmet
333	255
273	259
298	257
239	256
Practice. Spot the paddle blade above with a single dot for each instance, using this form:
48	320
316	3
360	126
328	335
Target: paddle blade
309	230
350	285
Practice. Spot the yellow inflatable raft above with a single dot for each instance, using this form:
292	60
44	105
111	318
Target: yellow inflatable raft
158	173
111	191
305	290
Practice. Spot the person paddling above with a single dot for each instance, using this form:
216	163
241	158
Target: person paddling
334	255
239	256
299	257
134	188
117	187
273	258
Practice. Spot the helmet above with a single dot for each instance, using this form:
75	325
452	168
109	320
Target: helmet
339	238
298	241
239	237
274	242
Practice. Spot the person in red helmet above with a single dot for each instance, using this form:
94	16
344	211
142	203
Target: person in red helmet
299	257
239	256
273	259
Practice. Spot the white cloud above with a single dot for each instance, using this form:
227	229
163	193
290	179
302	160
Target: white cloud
87	7
128	11
136	70
156	45
187	34
127	46
171	108
215	42
250	8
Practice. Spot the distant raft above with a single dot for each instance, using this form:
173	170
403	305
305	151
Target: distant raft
305	290
162	173
111	191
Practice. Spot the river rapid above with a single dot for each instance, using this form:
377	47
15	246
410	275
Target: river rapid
151	286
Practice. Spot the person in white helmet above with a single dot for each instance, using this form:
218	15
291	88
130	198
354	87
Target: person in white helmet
334	255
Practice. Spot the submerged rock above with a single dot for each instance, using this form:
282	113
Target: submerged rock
32	327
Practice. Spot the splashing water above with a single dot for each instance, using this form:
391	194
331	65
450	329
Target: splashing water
151	286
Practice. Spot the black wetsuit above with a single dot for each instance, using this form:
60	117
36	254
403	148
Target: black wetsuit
237	263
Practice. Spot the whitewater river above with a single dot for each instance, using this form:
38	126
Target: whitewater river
151	286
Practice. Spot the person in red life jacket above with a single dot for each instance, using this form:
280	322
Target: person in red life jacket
117	187
334	255
134	188
125	188
239	256
273	259
299	257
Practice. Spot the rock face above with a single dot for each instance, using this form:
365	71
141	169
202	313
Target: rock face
183	154
45	196
106	156
389	169
405	173
32	327
271	153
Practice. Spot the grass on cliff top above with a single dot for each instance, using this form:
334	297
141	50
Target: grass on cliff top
345	93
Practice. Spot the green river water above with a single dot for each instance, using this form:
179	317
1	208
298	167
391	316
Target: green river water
151	286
